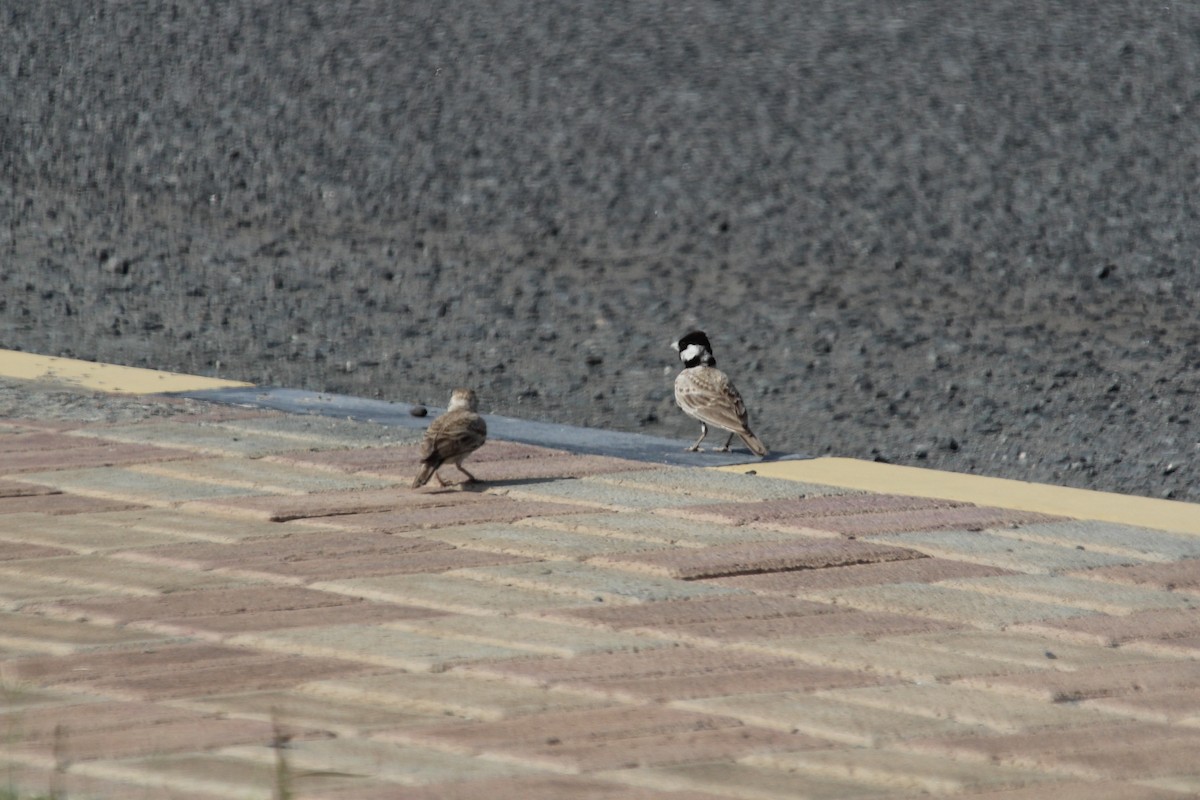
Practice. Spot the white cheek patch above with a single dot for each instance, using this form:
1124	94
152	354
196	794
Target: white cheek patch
690	352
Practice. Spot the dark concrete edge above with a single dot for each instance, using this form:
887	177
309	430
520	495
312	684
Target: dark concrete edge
589	441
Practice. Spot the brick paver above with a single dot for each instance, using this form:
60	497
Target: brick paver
1142	544
63	503
255	476
548	787
1092	595
203	437
591	583
617	679
1182	707
10	488
92	532
274	507
969	706
86	573
898	770
87	454
317	555
454	592
1102	681
1003	552
38	634
442	696
1178	576
754	558
607	738
220	613
717	485
798	583
1110	631
179	595
598	494
650	527
129	485
903	656
17	551
1125	749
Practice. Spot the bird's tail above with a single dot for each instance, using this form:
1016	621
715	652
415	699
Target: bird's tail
754	443
428	467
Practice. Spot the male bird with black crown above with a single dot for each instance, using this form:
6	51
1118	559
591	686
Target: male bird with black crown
452	437
706	393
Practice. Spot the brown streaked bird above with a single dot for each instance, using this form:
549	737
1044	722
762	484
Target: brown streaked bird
706	393
452	437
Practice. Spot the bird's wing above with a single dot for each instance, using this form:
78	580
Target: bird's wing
454	434
709	396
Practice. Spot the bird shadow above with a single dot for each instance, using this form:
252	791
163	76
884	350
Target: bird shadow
484	485
481	486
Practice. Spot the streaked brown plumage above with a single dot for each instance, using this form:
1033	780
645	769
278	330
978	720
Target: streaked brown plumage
706	393
452	437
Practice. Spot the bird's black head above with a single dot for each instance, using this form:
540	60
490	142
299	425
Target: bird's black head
694	349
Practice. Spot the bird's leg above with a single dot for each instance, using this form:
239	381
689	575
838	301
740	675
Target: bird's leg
725	447
437	476
470	478
696	447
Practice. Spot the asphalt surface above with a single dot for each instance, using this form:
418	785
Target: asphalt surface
940	234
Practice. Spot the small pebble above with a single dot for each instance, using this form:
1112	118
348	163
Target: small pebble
418	411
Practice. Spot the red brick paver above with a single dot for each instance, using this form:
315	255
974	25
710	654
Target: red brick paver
322	555
755	558
796	583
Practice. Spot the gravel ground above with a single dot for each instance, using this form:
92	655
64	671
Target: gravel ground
950	234
49	400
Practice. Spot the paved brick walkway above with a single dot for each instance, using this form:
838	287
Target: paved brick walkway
179	595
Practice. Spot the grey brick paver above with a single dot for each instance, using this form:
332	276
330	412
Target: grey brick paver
202	437
936	775
729	486
592	583
743	781
205	775
1005	552
542	787
602	495
953	605
444	696
1092	595
649	527
1179	576
1143	544
1123	749
83	533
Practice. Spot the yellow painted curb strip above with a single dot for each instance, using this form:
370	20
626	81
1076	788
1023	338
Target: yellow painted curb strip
103	377
1148	512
